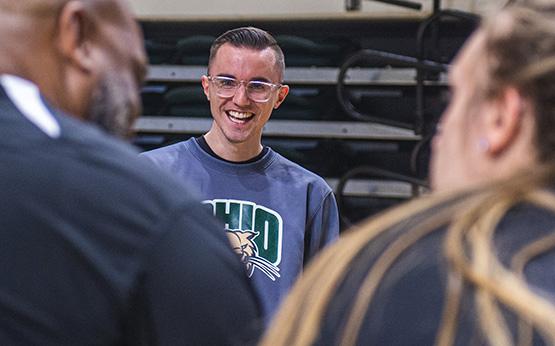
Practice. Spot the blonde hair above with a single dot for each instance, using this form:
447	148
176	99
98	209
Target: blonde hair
471	220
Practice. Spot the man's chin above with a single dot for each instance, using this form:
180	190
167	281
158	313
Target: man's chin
121	128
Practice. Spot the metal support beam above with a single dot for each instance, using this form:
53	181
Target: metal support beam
283	128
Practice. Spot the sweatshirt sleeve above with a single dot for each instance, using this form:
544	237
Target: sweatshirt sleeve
323	227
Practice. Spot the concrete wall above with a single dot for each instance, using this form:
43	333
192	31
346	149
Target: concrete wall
283	9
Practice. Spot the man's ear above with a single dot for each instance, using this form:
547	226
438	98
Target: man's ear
205	86
74	33
282	94
504	122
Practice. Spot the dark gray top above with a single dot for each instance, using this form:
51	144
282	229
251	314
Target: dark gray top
277	214
99	247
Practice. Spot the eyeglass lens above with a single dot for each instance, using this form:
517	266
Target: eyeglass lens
256	90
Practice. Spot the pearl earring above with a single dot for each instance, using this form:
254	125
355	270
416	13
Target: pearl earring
483	145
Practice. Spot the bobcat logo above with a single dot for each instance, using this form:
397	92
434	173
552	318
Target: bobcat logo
243	244
255	232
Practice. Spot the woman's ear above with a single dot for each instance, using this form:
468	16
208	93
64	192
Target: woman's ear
503	121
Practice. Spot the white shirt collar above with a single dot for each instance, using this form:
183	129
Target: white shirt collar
26	97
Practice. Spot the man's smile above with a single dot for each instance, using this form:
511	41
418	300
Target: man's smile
239	117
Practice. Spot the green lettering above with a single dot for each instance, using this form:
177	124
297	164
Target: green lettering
246	222
267	240
231	218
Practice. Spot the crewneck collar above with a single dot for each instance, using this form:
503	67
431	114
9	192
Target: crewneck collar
227	167
201	141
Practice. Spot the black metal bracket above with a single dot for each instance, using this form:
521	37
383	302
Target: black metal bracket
425	26
383	57
421	65
370	171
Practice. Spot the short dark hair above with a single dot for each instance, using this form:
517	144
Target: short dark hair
249	37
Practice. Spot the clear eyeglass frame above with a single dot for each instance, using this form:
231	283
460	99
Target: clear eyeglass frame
257	91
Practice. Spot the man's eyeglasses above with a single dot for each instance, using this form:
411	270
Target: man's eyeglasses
257	91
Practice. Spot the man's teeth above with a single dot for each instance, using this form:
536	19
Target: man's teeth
239	115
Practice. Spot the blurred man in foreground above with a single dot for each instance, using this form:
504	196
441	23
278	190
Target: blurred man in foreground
96	246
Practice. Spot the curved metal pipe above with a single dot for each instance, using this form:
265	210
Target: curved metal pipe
370	171
436	16
385	57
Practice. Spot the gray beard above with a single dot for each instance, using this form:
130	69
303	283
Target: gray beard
110	109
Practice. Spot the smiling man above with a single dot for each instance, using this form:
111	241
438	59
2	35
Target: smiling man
277	214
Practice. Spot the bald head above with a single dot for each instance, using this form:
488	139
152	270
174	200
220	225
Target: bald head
50	8
76	50
28	7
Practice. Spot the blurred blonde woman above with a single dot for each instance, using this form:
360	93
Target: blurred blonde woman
474	263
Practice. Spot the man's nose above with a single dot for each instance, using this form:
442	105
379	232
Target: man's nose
241	97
